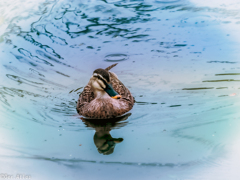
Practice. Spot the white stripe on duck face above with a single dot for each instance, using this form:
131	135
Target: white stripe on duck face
99	75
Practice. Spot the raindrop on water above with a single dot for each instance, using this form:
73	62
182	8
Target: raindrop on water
116	57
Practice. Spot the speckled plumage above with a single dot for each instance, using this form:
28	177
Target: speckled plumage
104	108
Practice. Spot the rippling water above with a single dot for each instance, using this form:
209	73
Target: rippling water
179	58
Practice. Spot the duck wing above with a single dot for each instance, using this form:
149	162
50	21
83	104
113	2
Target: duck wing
86	96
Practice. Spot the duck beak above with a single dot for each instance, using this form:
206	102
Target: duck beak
117	97
111	92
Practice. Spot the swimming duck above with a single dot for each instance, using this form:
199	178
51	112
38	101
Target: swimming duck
104	96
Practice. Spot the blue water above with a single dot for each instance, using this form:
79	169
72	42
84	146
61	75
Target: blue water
179	58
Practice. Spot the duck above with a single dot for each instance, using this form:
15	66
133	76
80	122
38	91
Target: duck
105	96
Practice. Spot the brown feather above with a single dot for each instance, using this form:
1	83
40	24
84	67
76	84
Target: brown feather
85	97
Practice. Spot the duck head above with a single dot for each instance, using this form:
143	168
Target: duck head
100	82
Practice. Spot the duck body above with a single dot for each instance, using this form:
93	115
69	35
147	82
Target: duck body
96	102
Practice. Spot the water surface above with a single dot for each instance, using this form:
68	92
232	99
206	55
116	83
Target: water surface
179	58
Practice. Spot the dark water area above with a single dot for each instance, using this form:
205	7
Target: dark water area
180	59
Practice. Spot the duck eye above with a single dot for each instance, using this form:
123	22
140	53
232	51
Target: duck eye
99	78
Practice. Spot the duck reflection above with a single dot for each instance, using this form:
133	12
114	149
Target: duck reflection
103	140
